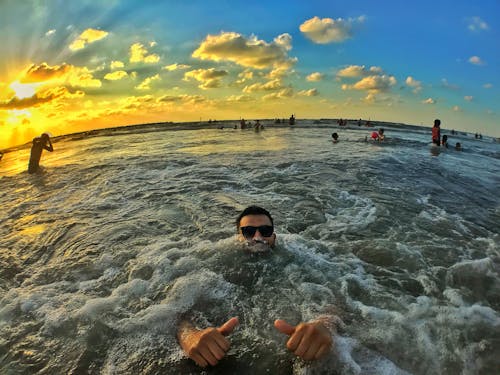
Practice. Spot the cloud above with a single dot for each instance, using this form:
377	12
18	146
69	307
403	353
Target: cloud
487	86
447	85
87	37
44	72
285	93
310	92
328	30
314	77
70	74
476	60
468	98
267	86
115	76
50	32
355	71
239	99
244	76
175	66
249	52
39	98
138	53
456	108
372	83
429	101
209	78
146	84
117	64
476	24
417	85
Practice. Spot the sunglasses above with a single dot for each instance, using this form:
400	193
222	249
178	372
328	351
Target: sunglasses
249	231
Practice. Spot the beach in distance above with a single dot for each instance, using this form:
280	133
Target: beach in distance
123	231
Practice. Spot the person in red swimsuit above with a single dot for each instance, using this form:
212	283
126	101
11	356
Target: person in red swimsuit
436	132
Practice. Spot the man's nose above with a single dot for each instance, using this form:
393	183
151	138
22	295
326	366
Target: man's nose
257	235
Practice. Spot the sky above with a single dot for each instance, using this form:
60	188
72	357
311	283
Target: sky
71	66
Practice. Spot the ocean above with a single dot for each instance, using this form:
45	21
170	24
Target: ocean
126	231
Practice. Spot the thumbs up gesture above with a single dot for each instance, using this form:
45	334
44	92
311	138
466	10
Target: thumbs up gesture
307	340
206	346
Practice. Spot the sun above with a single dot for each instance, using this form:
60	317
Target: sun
23	90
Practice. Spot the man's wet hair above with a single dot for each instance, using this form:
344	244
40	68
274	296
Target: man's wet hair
437	122
253	210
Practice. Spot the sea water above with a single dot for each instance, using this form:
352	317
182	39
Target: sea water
125	232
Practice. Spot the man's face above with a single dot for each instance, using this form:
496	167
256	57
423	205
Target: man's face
251	227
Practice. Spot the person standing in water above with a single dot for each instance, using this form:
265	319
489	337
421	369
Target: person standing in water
39	144
436	132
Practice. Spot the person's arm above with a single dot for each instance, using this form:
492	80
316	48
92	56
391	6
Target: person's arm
49	146
309	341
205	346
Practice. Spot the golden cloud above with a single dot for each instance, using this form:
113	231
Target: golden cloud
355	71
146	84
249	52
175	66
138	53
314	77
310	92
429	101
285	93
372	83
117	64
267	86
417	85
40	98
44	72
328	30
116	75
87	37
209	78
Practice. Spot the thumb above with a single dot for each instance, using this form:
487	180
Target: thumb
284	327
228	327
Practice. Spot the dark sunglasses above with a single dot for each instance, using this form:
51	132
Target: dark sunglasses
249	231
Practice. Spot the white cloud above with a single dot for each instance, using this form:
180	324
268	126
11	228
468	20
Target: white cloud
328	30
447	85
468	98
50	32
209	78
314	77
429	101
487	86
456	108
476	60
354	71
285	93
373	84
476	24
417	85
267	86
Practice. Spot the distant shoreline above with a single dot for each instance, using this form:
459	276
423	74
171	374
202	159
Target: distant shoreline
216	124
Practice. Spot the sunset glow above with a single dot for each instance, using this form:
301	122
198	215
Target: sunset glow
101	64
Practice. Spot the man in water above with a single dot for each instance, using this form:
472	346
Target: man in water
378	136
335	137
39	144
208	346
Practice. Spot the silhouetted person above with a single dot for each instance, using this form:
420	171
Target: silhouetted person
444	141
436	132
292	120
335	137
458	146
39	143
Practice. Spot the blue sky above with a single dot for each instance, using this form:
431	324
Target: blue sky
72	66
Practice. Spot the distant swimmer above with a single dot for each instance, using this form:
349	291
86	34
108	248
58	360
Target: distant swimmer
458	146
39	144
436	132
291	121
378	136
243	125
335	137
444	141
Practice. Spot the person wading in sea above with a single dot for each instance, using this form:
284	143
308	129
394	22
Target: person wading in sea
39	144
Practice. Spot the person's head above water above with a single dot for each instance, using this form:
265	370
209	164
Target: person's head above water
335	136
437	122
255	225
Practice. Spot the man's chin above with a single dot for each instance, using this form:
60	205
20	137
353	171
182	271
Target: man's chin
257	246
